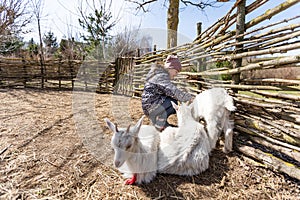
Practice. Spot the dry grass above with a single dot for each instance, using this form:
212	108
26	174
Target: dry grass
42	157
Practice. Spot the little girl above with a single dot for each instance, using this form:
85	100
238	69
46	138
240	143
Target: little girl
159	91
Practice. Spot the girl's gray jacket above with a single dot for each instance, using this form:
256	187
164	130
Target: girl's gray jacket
157	87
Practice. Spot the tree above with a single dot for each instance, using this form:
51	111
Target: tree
173	14
37	10
13	19
128	41
71	49
97	23
10	45
50	42
32	48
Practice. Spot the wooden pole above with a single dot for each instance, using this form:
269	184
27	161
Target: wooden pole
59	72
200	64
240	29
199	28
24	71
138	52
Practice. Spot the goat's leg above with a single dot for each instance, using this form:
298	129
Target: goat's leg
228	141
227	126
213	132
228	130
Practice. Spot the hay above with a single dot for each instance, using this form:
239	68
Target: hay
46	159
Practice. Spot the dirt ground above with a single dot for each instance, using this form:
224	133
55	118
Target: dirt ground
55	145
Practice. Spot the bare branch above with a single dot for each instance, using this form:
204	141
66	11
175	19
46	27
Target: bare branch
13	16
141	5
201	5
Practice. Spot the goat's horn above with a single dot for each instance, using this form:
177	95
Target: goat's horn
116	125
128	128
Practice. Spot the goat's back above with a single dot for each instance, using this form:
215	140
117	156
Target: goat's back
214	105
149	137
212	102
188	150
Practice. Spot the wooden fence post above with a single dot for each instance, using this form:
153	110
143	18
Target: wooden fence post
240	29
71	71
25	75
59	72
199	28
154	49
117	68
42	70
138	52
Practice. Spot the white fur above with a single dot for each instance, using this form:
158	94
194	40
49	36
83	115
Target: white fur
135	150
184	150
215	105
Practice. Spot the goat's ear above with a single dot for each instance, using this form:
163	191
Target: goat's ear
175	106
111	125
137	127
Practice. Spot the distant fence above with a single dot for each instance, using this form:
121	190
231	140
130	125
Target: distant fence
89	75
15	72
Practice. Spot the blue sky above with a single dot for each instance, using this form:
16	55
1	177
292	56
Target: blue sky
60	17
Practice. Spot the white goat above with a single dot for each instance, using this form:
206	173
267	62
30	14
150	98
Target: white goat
144	151
184	150
215	105
137	149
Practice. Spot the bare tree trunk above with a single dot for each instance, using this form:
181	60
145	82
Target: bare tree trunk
172	23
37	10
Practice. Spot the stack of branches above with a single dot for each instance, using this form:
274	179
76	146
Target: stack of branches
270	122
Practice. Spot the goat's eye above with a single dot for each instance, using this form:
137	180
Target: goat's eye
128	147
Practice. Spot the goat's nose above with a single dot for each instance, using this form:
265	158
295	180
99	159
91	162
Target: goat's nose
117	163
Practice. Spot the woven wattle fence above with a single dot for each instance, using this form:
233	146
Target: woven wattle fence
259	68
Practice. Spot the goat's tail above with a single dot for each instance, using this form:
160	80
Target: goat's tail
229	103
